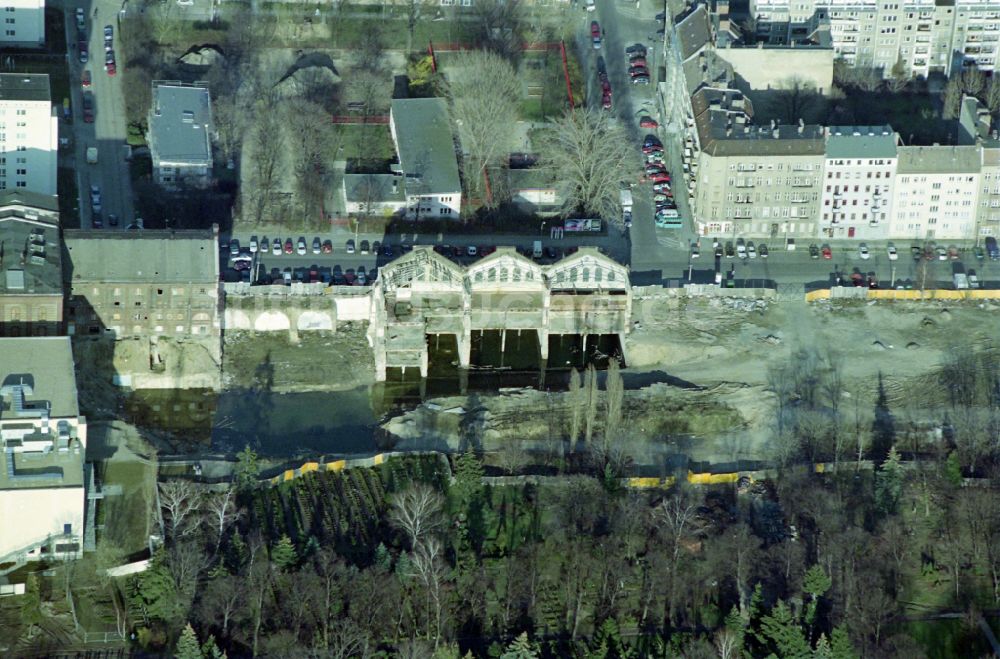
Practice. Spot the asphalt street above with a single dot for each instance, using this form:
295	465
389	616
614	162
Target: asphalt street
108	131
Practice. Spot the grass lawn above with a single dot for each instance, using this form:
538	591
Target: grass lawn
544	86
128	516
370	142
69	196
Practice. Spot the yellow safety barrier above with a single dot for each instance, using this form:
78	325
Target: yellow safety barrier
712	479
336	465
642	482
914	295
822	294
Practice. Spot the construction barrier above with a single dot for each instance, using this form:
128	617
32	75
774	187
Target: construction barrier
912	295
339	465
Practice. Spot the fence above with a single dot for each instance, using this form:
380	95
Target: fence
862	293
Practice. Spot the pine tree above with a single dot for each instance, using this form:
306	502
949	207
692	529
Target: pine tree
187	644
953	470
520	648
210	649
815	583
784	633
247	469
31	603
840	645
283	554
889	484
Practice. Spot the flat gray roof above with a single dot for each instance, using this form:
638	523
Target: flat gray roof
146	256
24	87
938	160
861	142
180	124
30	254
425	146
358	187
46	362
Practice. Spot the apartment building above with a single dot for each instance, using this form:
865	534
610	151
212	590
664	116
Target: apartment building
421	132
126	284
859	169
31	295
924	36
29	133
23	24
180	134
754	181
43	442
936	193
988	216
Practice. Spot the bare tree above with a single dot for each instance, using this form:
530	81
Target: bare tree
429	568
181	500
417	511
268	141
952	98
993	94
727	643
674	517
575	399
312	139
899	77
591	396
615	387
512	457
592	159
414	11
973	81
485	93
500	27
220	600
795	98
223	512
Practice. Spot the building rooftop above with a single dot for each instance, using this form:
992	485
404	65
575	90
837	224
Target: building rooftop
725	128
24	87
861	142
938	160
30	253
147	256
180	124
45	363
425	146
693	32
374	187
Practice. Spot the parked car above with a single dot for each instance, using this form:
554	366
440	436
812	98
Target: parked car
606	100
751	250
973	279
234	244
595	34
635	48
113	219
327	247
80	18
648	122
730	250
96	220
289	247
813	251
365	247
85	78
741	248
863	251
979	253
84	54
349	246
88	108
387	250
827	252
762	250
640	80
253	244
638	72
916	252
457	251
277	247
591	5
471	250
636	62
991	248
942	253
301	246
893	253
111	68
695	252
953	253
659	177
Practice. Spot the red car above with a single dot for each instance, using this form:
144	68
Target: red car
637	62
605	86
289	247
660	177
111	68
606	100
85	79
648	122
827	252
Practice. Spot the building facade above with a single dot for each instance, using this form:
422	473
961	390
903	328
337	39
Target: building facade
23	24
126	284
29	134
860	167
922	36
988	219
43	442
936	193
31	296
180	134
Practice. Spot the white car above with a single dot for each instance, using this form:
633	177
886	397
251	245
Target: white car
277	247
591	5
751	251
863	251
253	244
301	246
893	254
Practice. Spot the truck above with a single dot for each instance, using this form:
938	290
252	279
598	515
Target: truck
626	201
91	155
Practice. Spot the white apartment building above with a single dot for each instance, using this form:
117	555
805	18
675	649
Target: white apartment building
924	35
936	192
43	442
858	174
988	221
29	133
180	134
23	24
